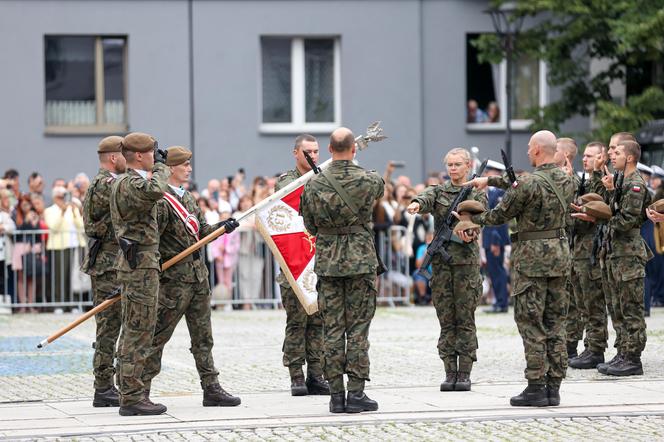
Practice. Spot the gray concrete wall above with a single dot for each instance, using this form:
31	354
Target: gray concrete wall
379	79
158	88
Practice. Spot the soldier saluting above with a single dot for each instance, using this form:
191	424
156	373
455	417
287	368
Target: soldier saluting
134	215
99	265
541	262
184	289
336	206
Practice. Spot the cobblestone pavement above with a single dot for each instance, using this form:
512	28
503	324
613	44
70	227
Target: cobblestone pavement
641	428
248	354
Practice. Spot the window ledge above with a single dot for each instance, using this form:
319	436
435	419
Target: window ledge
516	126
292	128
99	129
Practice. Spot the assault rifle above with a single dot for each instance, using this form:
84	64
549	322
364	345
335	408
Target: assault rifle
580	191
618	179
509	169
443	234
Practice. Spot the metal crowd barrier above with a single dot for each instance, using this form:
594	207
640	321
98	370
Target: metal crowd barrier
37	279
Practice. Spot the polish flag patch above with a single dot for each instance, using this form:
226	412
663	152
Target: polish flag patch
636	189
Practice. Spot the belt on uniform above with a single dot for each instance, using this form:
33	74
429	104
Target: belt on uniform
109	246
343	230
539	234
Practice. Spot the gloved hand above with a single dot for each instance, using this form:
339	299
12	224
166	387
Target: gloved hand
160	156
230	224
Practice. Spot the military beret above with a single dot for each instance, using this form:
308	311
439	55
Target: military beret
139	142
465	225
590	197
470	206
657	206
598	209
110	144
177	155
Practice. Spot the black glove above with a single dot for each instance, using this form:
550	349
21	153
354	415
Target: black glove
160	156
230	224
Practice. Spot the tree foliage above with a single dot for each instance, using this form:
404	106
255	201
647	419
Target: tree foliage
569	34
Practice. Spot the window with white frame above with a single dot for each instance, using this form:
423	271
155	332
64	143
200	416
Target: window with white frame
300	84
486	100
85	84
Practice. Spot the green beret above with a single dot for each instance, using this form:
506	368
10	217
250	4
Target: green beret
598	209
590	197
470	206
139	142
110	144
177	155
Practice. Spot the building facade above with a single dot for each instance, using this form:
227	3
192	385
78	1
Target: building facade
236	81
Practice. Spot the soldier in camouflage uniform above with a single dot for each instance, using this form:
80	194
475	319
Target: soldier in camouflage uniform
99	265
602	184
134	216
627	256
566	151
337	206
456	287
303	340
540	266
587	280
184	288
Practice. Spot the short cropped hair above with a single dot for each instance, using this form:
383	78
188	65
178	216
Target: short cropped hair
304	137
631	148
569	147
343	144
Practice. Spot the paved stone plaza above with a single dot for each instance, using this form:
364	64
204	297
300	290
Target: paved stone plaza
47	393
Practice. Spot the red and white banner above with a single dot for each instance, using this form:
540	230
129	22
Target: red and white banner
293	247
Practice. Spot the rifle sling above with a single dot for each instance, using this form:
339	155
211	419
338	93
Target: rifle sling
555	189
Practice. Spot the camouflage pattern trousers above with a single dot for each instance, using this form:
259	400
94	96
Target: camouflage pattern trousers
540	309
456	290
347	305
610	300
626	276
191	300
587	280
304	335
576	313
108	329
140	289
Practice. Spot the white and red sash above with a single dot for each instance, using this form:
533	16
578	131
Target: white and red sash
190	221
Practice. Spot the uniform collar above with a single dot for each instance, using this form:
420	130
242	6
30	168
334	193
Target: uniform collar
142	173
179	191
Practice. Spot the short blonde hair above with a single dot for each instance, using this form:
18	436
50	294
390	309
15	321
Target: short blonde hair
568	146
458	151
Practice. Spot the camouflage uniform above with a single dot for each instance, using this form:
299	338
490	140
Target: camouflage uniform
540	266
134	216
576	314
626	262
184	290
346	268
304	333
456	287
97	223
587	281
609	293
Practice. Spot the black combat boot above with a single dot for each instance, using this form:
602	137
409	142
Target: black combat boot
535	395
215	396
106	397
450	380
553	392
630	365
602	368
462	382
298	387
571	350
357	401
316	385
338	402
586	360
143	408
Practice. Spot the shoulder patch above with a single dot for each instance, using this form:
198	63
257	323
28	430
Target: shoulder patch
636	189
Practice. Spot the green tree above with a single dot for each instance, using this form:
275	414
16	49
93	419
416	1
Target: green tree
568	35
